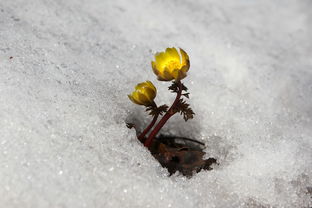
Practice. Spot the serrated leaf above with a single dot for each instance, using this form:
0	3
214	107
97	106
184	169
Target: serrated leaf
156	110
175	87
186	95
162	109
184	110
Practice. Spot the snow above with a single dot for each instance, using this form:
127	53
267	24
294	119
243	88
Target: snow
63	102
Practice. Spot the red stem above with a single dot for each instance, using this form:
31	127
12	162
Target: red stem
164	119
148	128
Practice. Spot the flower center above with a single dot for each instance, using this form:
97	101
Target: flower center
173	64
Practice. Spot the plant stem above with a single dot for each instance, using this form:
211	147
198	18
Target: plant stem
148	128
165	118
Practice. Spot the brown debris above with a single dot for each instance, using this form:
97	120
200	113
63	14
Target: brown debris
181	154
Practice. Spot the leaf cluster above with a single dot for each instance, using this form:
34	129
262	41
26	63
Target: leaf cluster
175	87
153	110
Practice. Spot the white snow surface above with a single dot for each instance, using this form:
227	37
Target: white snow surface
64	104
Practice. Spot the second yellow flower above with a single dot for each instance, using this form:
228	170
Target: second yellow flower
144	94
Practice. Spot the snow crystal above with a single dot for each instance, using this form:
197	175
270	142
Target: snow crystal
67	67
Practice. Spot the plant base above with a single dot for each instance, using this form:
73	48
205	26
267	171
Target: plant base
181	154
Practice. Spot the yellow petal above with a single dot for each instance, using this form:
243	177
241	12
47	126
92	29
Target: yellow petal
154	67
185	68
185	59
150	94
175	73
134	100
143	98
173	53
140	86
161	60
166	75
160	78
150	84
160	57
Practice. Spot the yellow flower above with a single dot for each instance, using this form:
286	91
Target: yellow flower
144	94
169	65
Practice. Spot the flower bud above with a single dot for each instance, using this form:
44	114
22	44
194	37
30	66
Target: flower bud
144	94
